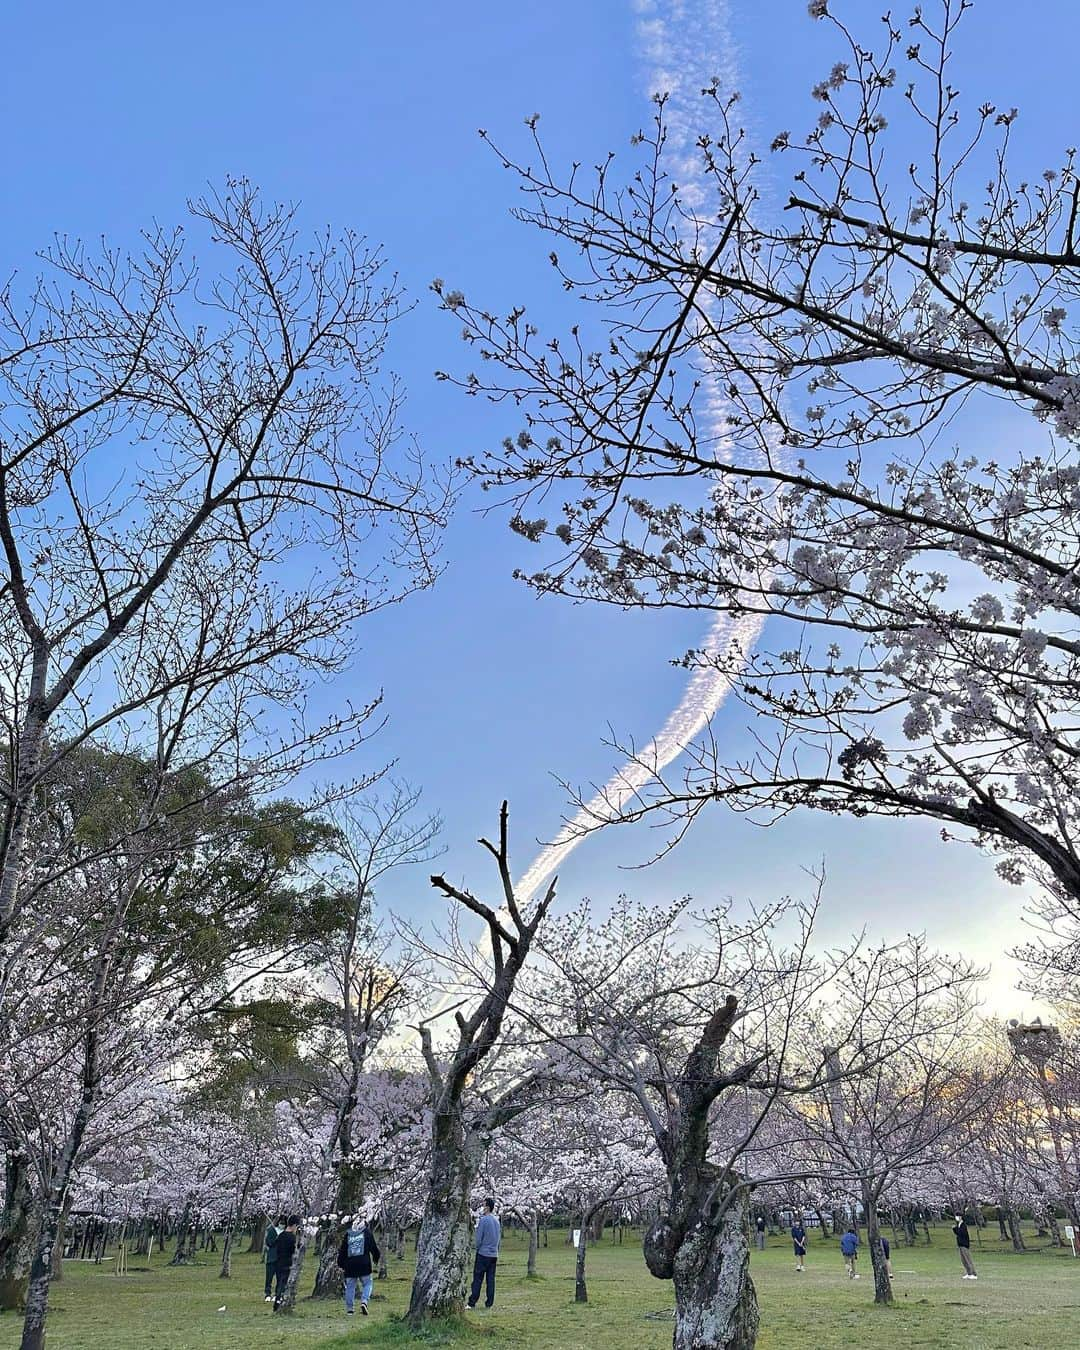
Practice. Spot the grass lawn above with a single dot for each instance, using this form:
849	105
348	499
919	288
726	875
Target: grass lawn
1018	1302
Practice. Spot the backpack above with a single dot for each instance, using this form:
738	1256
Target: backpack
356	1242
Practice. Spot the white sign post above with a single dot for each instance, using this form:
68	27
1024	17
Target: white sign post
577	1236
1070	1233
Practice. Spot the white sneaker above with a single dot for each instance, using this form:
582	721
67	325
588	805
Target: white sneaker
269	1298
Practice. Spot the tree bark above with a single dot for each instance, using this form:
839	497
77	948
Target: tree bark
581	1292
287	1304
258	1235
182	1256
37	1293
715	1301
16	827
349	1196
534	1236
444	1240
61	1239
882	1284
17	1228
702	1241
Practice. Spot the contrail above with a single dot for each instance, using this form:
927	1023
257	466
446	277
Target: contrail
686	44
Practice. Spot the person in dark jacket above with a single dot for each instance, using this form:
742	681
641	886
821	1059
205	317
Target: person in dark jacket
286	1249
357	1251
963	1244
273	1230
849	1247
798	1238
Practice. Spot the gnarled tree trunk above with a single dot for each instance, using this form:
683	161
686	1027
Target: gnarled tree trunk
443	1243
18	1223
709	1261
348	1198
445	1238
701	1242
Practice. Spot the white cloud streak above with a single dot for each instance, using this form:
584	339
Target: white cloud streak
685	45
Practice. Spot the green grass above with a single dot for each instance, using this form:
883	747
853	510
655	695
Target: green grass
1019	1302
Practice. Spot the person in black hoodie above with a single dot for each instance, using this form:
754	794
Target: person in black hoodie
357	1251
286	1247
963	1244
273	1229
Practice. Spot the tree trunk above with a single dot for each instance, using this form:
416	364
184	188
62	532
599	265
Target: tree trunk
348	1198
226	1255
16	831
329	1279
1015	1232
258	1235
882	1284
444	1239
181	1257
909	1227
287	1304
715	1302
37	1293
581	1293
17	1229
534	1237
61	1239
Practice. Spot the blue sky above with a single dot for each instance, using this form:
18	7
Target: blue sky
367	114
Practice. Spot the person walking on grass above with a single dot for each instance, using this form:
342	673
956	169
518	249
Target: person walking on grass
759	1233
963	1245
274	1229
357	1251
849	1247
286	1249
798	1238
488	1237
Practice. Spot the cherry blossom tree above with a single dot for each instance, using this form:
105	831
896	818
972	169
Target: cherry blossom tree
703	1033
363	992
912	1013
157	916
751	426
478	1082
172	441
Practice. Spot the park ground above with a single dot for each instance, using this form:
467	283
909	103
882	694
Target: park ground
1023	1301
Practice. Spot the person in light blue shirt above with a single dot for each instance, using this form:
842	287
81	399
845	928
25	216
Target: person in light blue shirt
488	1237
